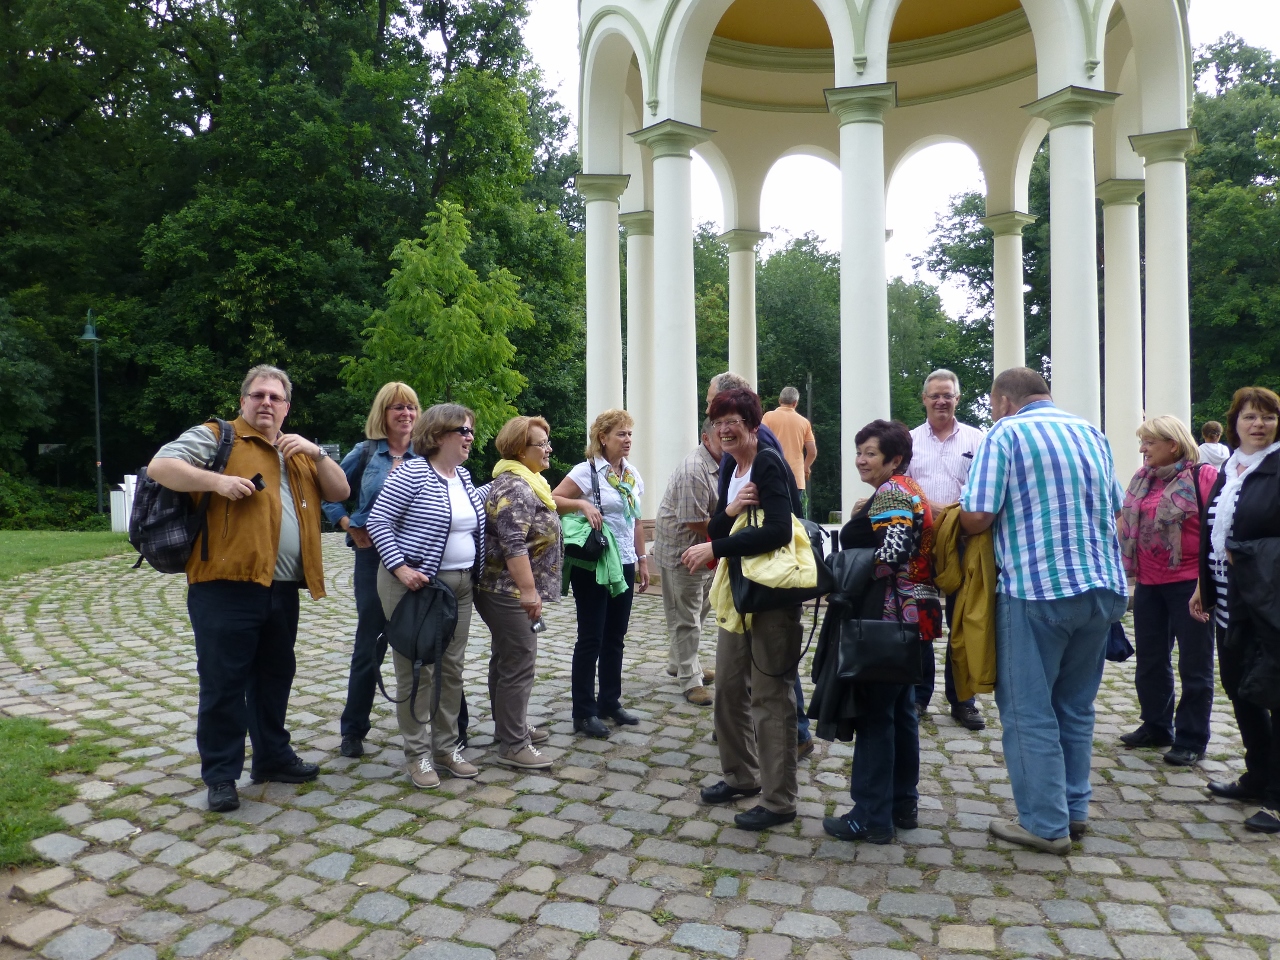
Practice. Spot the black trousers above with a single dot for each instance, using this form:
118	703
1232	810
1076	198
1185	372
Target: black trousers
1161	617
1261	745
886	755
602	628
924	689
245	635
365	659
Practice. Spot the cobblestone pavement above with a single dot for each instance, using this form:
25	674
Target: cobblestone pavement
608	856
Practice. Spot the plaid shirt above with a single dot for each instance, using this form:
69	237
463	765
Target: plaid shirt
1049	479
690	498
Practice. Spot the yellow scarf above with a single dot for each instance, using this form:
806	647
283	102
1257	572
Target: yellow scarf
534	480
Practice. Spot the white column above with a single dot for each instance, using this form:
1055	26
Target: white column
1073	266
742	301
676	404
864	297
1122	314
1009	327
640	345
604	290
1168	299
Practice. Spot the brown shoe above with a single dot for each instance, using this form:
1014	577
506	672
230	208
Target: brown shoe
804	748
539	735
708	677
456	765
423	774
699	696
526	758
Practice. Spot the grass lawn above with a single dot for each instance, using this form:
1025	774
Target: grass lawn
28	794
22	551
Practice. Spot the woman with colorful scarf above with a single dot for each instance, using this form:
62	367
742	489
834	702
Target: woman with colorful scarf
521	573
1160	540
603	614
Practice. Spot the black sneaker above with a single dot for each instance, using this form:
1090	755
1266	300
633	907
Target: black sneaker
223	797
1183	757
723	793
906	818
298	771
846	828
1144	737
1264	821
762	818
967	715
352	747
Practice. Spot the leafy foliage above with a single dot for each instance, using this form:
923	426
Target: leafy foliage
445	330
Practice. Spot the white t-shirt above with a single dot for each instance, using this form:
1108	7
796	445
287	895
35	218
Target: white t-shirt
736	483
460	550
611	502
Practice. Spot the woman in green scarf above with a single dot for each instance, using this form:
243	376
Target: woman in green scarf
521	572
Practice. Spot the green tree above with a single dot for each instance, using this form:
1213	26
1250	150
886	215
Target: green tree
444	331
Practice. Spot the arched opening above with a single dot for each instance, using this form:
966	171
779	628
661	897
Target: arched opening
801	195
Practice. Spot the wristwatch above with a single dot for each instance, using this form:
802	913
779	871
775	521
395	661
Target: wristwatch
324	454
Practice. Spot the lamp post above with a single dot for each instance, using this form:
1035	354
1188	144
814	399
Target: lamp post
90	335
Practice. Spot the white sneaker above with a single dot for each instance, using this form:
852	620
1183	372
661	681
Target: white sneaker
456	765
423	774
527	757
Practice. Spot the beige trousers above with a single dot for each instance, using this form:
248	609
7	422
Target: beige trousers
755	713
444	728
511	668
686	600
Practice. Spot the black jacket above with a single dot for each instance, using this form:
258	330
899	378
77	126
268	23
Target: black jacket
834	704
779	498
1249	656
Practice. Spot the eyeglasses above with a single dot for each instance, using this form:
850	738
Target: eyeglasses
726	423
933	398
465	431
1259	418
402	407
545	444
260	396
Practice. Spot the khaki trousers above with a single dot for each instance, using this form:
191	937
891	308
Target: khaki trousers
511	668
444	728
686	600
755	713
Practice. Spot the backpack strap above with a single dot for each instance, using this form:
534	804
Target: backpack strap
226	438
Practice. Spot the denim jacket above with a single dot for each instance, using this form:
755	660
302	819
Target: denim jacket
366	480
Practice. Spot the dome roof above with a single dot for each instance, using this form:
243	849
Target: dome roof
799	23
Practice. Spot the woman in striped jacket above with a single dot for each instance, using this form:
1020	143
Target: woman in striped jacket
428	523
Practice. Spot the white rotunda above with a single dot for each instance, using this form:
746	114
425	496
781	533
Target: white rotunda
864	84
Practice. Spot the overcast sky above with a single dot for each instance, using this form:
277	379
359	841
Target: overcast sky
797	195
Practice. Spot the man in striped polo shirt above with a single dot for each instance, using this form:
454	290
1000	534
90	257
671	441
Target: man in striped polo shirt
1045	480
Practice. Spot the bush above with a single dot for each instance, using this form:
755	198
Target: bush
27	505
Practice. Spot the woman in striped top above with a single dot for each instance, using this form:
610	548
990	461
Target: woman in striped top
1244	505
427	524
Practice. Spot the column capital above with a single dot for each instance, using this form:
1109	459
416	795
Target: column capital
671	138
1120	191
639	223
1008	224
1070	105
1165	145
601	186
742	240
865	103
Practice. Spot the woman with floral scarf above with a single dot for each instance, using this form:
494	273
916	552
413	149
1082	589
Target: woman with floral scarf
1160	540
603	615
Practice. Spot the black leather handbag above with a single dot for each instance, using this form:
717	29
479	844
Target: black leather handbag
592	549
880	651
420	630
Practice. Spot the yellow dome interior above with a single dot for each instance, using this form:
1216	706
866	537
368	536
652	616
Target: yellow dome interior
799	23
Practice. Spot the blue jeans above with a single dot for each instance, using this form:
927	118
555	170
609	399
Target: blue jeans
366	656
1049	659
886	755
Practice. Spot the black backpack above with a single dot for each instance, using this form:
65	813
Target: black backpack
164	523
420	630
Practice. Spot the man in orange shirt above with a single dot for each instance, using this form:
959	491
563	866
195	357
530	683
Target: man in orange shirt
795	434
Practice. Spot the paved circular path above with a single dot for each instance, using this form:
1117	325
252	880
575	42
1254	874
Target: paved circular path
608	856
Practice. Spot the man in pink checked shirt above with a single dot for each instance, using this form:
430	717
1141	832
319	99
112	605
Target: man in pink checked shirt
941	453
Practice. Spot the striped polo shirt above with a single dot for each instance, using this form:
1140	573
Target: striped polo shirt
1048	477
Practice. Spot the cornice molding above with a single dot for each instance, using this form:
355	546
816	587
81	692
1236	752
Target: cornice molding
601	186
671	138
1008	224
1120	191
1164	145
